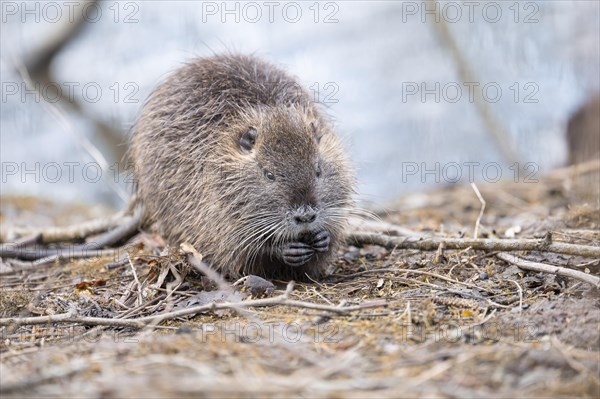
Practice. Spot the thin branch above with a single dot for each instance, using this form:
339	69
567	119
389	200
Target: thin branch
575	170
62	234
91	249
140	298
541	267
281	300
496	130
195	259
29	240
520	295
122	232
67	124
482	201
48	260
488	244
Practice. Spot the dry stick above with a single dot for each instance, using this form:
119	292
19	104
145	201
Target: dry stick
140	298
61	234
574	170
495	128
67	124
29	240
488	244
478	221
47	261
195	259
119	234
520	295
439	253
540	267
140	322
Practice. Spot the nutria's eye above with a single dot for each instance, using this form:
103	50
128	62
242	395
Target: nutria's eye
269	175
319	170
248	139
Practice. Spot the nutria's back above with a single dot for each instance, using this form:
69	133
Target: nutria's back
231	154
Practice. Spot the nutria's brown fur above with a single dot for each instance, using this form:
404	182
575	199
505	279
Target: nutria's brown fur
230	154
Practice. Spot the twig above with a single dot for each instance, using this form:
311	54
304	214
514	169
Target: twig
140	298
140	322
482	201
488	244
28	240
61	234
47	260
122	232
541	267
439	254
520	295
574	170
92	249
195	259
67	124
495	129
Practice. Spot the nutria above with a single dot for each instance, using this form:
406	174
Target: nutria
233	156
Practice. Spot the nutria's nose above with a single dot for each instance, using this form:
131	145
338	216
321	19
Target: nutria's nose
305	215
306	218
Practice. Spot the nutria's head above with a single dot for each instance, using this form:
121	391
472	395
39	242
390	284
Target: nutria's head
291	189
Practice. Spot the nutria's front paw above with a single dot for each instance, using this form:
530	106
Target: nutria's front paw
320	242
296	253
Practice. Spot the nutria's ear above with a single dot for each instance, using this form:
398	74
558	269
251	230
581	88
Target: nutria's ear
248	139
315	131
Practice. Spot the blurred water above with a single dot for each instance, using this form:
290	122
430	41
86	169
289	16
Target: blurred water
364	64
